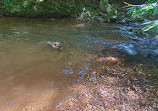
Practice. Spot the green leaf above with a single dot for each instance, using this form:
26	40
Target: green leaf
151	25
25	3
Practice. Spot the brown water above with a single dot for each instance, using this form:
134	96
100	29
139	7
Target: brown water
32	74
26	71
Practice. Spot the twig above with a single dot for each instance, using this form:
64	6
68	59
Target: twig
130	5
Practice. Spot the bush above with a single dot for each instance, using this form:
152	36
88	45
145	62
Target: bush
146	10
33	8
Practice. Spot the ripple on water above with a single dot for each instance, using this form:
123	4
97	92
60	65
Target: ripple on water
31	72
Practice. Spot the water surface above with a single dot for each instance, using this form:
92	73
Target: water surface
31	70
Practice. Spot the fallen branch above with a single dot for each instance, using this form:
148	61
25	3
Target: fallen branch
131	5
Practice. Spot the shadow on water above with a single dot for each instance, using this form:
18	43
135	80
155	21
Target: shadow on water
32	72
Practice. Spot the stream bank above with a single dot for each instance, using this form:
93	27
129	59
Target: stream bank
112	85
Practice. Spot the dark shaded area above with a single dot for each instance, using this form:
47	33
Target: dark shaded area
129	1
54	8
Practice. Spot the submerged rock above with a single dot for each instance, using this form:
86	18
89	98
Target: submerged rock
79	25
144	53
114	54
108	59
154	41
55	45
156	51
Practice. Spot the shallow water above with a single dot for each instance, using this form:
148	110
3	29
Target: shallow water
31	70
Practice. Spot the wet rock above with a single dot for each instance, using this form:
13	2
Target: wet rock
115	53
148	53
123	21
156	52
101	19
154	41
156	37
55	45
86	16
79	25
144	53
126	28
108	59
111	52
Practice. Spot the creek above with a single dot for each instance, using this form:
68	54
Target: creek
31	70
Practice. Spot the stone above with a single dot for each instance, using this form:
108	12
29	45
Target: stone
79	25
110	59
154	42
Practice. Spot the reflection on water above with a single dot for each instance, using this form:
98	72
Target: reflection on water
32	72
28	70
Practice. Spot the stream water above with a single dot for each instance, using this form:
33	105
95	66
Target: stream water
31	72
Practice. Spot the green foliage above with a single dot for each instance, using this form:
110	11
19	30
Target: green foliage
141	11
84	9
88	12
150	25
37	7
150	8
108	9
